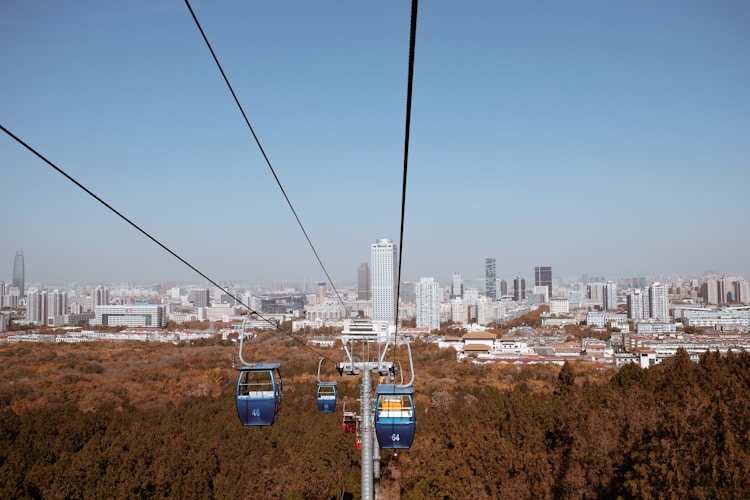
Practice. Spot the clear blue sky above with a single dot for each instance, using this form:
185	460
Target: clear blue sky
608	138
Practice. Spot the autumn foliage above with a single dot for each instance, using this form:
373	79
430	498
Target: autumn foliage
133	420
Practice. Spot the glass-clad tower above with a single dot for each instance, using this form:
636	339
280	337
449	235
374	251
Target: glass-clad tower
490	288
543	277
18	278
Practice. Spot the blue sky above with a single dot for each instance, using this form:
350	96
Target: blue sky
596	137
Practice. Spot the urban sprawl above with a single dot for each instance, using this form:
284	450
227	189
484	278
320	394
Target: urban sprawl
632	319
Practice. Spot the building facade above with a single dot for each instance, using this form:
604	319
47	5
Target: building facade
457	286
363	281
18	273
383	280
519	288
610	296
490	289
543	277
132	316
428	293
658	301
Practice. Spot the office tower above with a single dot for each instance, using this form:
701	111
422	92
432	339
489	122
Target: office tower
457	287
658	301
101	296
727	290
363	281
18	273
503	288
489	277
595	294
610	295
742	291
199	297
710	291
57	304
543	277
427	293
635	305
519	288
383	280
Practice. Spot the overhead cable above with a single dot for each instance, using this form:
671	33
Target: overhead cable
145	233
410	84
263	152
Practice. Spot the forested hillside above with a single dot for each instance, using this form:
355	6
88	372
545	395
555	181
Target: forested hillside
106	420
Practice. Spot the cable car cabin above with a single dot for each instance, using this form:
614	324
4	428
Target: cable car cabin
259	391
395	418
350	422
326	397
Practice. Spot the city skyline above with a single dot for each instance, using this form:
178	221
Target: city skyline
476	283
582	136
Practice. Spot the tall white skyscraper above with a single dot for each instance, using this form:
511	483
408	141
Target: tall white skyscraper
658	300
383	268
428	293
635	305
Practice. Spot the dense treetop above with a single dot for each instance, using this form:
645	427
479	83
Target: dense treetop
106	420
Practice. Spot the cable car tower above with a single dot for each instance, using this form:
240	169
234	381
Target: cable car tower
390	421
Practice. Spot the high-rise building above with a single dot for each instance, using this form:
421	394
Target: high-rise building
519	288
610	295
18	273
710	290
459	311
595	293
36	307
57	304
543	277
503	288
199	297
658	301
428	293
383	280
101	296
363	281
635	305
457	286
742	291
490	284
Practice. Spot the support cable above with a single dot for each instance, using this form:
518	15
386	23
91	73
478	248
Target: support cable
142	231
412	47
263	152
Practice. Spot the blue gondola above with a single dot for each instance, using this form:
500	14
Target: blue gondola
259	392
395	418
326	397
